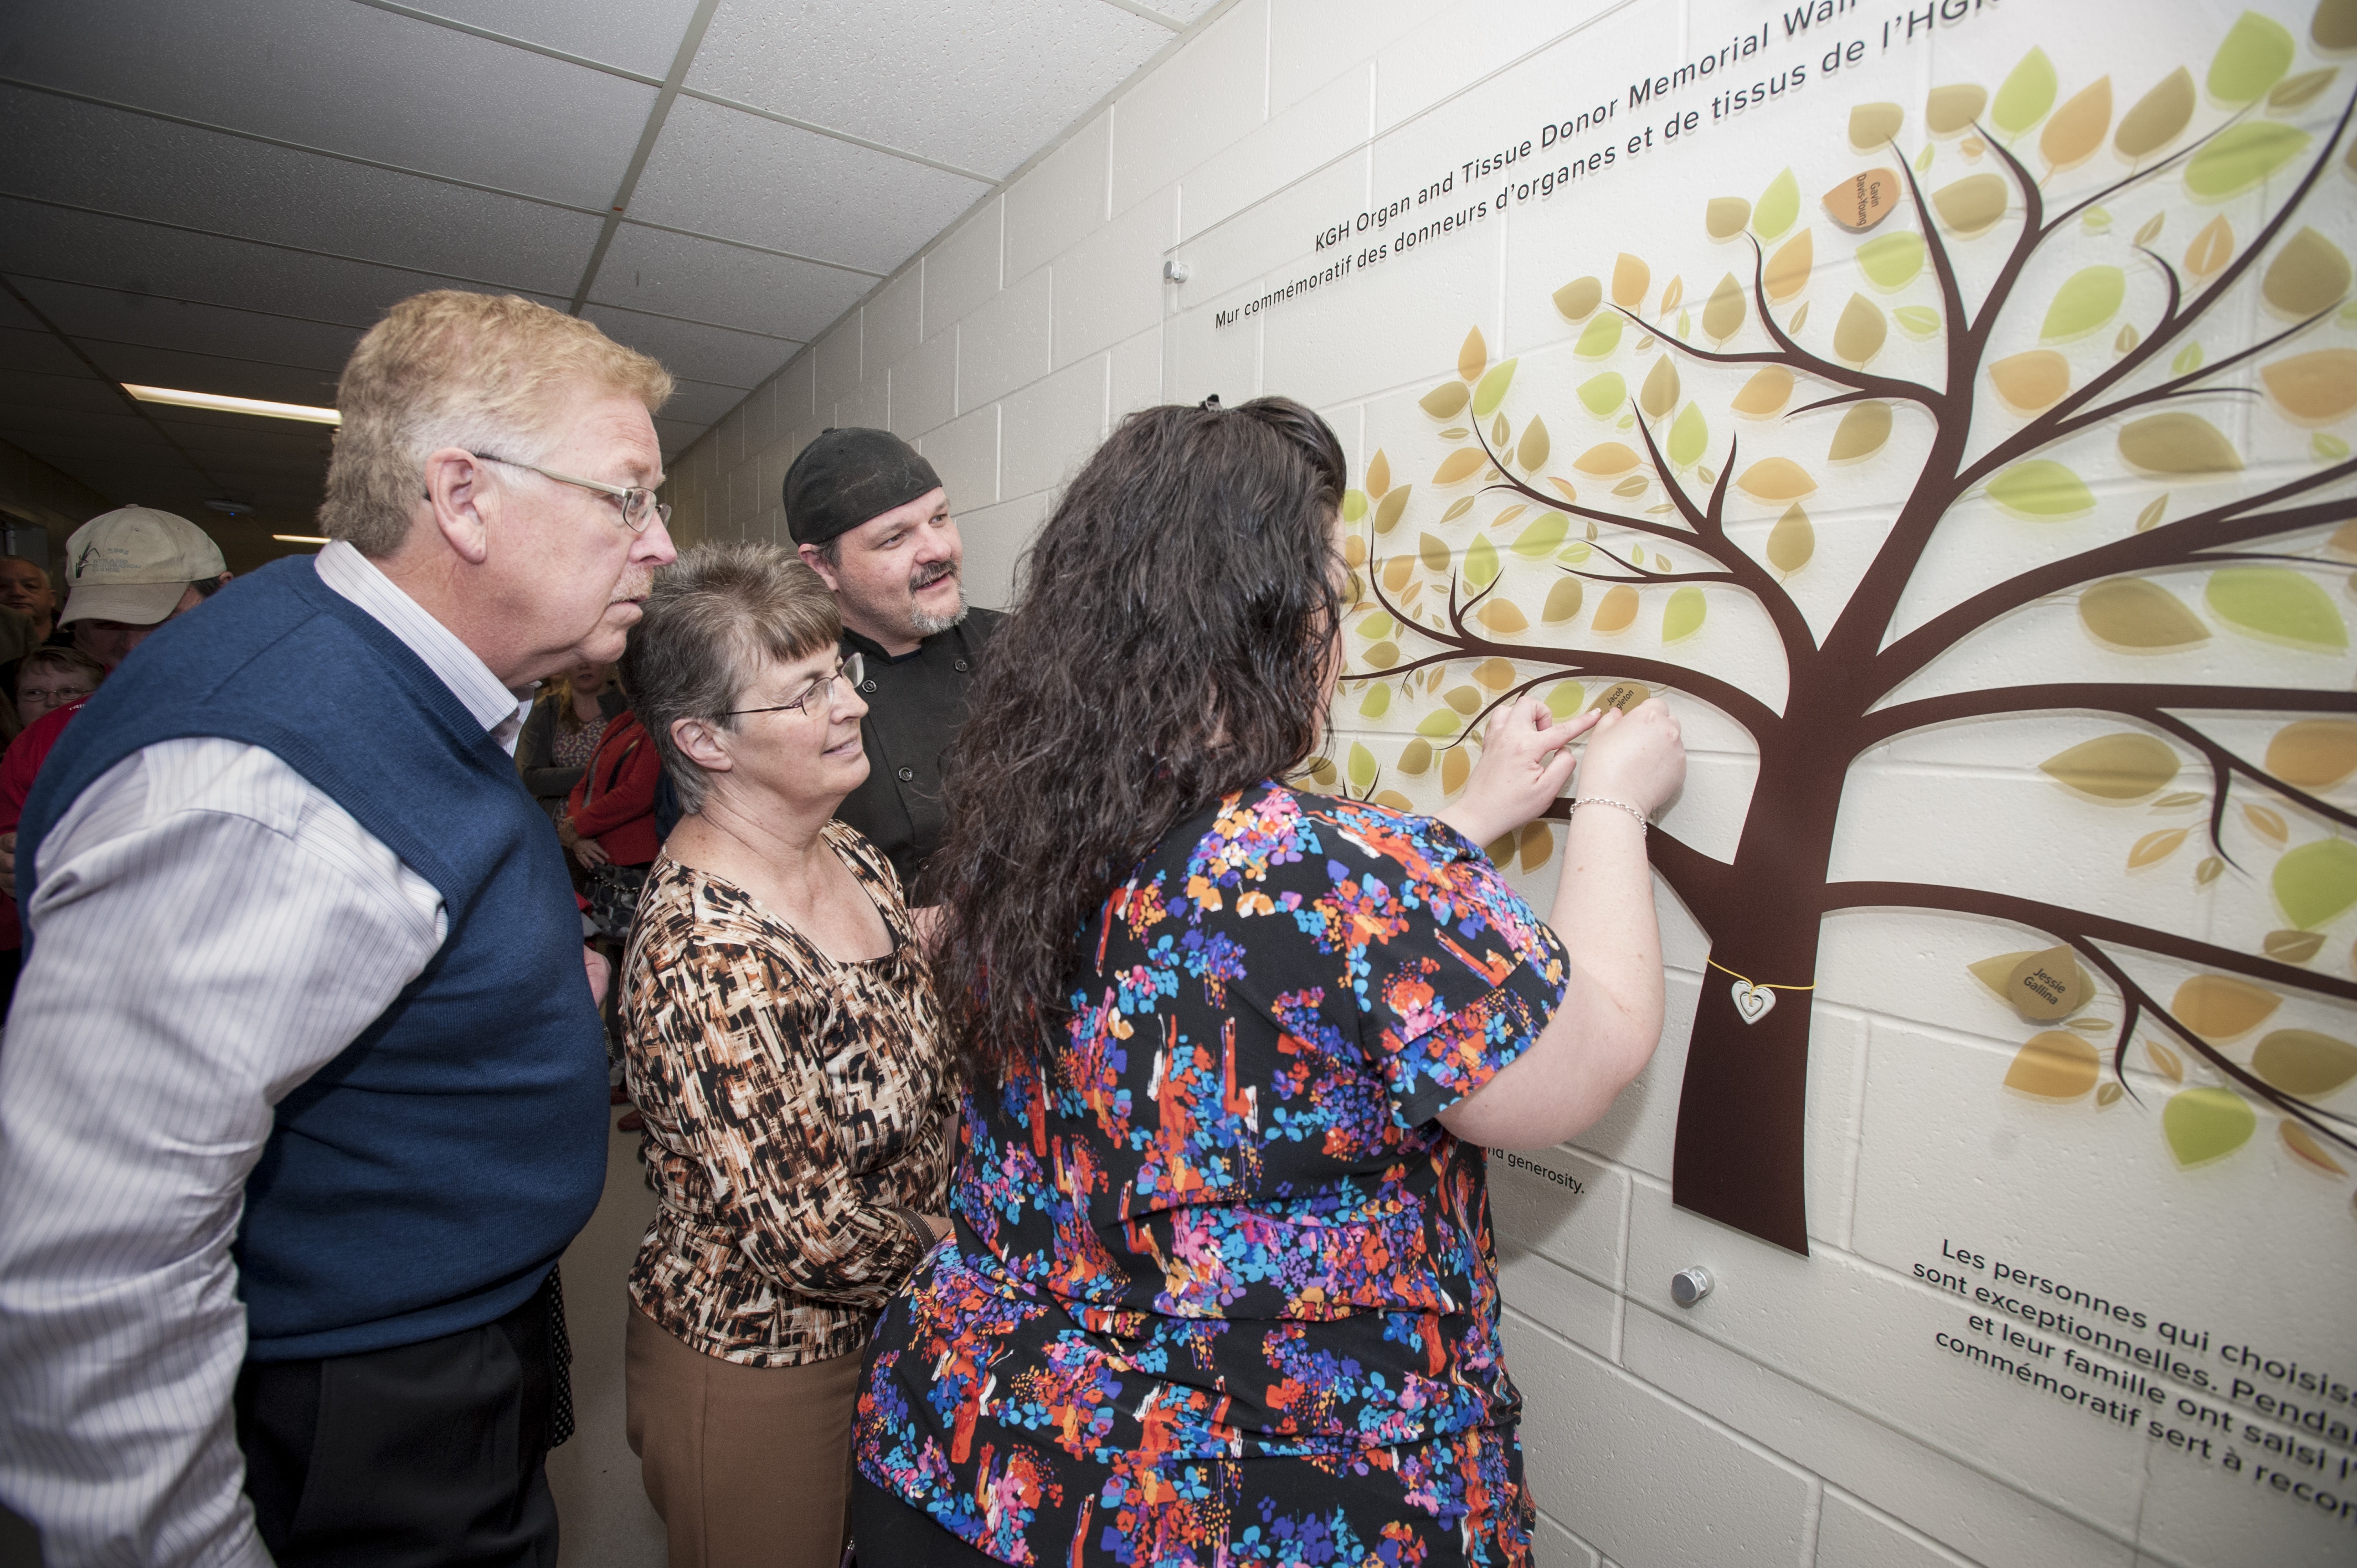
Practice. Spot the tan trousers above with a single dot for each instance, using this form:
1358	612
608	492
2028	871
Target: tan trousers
746	1465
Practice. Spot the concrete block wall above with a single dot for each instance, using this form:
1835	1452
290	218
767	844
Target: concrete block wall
1799	1416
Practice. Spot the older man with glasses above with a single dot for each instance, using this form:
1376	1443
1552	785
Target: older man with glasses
304	1092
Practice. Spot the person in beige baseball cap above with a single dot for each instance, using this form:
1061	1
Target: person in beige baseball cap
129	571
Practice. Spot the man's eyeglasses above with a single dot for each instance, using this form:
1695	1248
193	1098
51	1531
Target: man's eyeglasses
639	504
821	690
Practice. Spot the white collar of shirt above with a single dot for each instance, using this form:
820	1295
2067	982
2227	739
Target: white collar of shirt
496	707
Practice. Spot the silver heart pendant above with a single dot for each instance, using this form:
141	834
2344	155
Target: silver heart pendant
1751	1000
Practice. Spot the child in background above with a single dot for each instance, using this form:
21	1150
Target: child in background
48	679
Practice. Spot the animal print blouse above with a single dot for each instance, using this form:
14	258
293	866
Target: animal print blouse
798	1116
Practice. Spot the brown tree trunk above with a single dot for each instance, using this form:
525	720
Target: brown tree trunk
1743	1110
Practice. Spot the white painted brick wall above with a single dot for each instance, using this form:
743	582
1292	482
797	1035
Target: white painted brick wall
1800	1415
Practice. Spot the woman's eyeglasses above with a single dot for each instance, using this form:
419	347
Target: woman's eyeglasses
821	690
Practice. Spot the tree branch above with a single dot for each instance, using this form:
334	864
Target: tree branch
2129	699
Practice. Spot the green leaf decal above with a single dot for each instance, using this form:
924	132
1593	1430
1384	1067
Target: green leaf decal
2088	299
1563	698
1602	395
2205	1124
1892	261
1441	723
2317	882
2041	489
1377	626
1688	436
1599	336
2239	156
1354	505
1778	205
1480	563
2251	59
1377	702
2279	604
1540	539
1917	320
1685	614
2026	96
1493	390
1363	767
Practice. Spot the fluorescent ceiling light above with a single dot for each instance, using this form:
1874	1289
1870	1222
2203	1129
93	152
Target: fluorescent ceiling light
222	403
300	538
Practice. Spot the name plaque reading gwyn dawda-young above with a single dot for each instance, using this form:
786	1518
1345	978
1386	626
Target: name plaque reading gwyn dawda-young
1948	409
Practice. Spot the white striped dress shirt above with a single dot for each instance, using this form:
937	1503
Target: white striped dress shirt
210	930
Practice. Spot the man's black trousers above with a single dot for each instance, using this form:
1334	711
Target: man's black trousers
428	1455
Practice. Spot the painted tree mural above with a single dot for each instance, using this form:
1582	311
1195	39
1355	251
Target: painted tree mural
2087	327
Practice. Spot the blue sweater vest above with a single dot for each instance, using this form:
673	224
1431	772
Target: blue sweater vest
425	1180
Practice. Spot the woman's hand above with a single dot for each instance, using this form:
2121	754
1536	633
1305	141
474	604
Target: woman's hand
1636	758
566	833
1525	762
592	853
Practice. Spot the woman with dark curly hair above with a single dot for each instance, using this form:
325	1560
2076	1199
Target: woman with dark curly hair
1221	1287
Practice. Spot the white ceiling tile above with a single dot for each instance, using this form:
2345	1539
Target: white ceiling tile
36	349
677	436
977	83
677	275
1181	10
139	167
692	350
15	314
701	402
348	79
116	316
736	176
84	394
642	36
40	240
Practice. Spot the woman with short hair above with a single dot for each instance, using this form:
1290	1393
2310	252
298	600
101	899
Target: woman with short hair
1221	1287
562	734
782	1043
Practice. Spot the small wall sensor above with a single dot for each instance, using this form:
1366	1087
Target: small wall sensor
1177	272
1688	1286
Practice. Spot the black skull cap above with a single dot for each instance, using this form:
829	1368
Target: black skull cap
848	476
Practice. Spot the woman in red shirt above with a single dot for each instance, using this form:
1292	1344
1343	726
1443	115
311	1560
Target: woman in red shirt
610	822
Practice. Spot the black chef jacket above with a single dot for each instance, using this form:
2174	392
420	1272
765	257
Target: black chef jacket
915	704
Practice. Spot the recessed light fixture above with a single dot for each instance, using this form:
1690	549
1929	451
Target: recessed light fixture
222	403
229	508
300	538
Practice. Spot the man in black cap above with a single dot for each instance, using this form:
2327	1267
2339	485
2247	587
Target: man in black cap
869	515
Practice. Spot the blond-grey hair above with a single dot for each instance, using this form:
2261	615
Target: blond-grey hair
478	372
716	619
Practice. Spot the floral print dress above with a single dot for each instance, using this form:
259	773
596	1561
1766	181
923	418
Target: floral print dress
1222	1289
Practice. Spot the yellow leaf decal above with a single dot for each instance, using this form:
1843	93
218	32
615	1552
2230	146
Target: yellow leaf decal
1578	299
2179	444
1775	479
2032	381
2315	388
1606	457
1788	269
2298	91
2220	1006
1434	553
2054	1065
2126	766
1415	756
1630	279
1531	450
1660	392
1861	433
1863	200
1454	767
2153	848
1497	675
1382	656
1562	603
1793	540
1619	609
1950	110
1726	216
2158	119
1459	466
1379	473
1503	618
2130	612
2309	274
1972	205
2078	127
2292	947
1445	401
1764	394
2303	1062
1388	514
1673	294
2333	25
1859	334
2165	1062
1473	358
2205	1124
2314	754
2211	249
1723	315
2267	824
1871	125
1464	699
2304	1146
